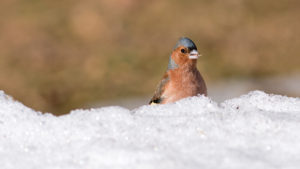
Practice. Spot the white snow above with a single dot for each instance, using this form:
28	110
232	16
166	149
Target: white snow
256	130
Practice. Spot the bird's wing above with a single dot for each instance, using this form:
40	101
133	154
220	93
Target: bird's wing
157	98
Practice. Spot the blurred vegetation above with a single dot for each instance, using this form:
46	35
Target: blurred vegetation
60	55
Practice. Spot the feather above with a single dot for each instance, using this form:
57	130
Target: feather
157	98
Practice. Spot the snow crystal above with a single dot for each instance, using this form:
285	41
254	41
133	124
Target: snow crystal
256	130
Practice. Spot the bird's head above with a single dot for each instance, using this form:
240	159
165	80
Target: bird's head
184	53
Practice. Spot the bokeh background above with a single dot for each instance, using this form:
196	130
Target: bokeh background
61	55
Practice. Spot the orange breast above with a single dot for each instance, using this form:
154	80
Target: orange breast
183	83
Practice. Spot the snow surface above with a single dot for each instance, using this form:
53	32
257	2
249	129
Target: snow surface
256	130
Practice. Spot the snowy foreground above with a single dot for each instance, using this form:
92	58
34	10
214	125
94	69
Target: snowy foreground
256	130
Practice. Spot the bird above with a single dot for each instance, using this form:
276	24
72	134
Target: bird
182	78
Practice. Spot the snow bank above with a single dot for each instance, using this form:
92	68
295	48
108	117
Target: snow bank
256	130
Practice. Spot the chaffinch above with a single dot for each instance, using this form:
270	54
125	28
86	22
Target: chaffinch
182	78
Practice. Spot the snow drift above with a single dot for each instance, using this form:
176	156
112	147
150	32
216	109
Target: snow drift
256	130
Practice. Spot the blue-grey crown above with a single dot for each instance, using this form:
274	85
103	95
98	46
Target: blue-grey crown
186	42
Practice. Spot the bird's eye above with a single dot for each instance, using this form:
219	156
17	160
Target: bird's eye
183	51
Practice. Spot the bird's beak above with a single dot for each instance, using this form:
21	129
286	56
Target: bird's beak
194	54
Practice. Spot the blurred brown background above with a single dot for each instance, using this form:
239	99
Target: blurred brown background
60	55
